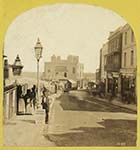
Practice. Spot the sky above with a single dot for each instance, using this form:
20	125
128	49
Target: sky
63	29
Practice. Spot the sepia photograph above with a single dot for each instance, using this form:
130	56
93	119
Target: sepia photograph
69	78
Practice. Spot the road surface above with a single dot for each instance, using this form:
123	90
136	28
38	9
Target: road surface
78	119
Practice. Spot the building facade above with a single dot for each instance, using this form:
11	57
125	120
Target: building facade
97	75
103	61
10	87
128	64
118	63
113	63
69	68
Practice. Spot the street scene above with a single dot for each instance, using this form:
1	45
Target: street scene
69	84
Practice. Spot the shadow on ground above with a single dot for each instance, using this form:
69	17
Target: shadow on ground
73	103
114	133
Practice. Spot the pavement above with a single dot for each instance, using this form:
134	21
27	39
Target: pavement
28	130
23	131
118	102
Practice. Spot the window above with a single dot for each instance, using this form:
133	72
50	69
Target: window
117	43
65	74
132	36
132	58
125	38
73	70
125	59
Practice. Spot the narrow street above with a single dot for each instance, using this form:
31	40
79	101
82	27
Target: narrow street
78	119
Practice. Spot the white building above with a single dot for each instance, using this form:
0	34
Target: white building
128	63
69	68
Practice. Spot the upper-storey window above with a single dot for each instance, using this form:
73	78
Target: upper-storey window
132	36
125	59
125	38
73	70
117	43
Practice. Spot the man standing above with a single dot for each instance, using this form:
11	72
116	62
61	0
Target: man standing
45	105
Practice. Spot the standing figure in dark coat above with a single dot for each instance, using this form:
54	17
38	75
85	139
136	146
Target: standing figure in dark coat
19	95
45	104
26	98
33	96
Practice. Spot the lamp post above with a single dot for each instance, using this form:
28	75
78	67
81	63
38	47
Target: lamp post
38	54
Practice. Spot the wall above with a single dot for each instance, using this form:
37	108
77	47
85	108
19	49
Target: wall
104	53
128	47
57	68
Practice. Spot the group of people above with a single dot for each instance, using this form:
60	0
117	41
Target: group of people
29	97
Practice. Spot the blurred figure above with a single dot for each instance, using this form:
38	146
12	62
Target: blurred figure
45	103
26	98
33	95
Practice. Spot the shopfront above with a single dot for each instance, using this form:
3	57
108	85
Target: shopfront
128	85
112	82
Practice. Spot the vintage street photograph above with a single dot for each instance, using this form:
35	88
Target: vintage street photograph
69	78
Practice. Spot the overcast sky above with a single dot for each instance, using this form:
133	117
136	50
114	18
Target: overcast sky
63	29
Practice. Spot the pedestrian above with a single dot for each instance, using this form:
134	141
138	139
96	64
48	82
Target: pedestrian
26	98
110	95
33	96
45	105
19	95
55	87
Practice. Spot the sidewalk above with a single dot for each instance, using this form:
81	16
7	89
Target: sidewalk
117	102
24	131
28	130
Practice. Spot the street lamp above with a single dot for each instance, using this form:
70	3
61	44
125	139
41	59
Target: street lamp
38	54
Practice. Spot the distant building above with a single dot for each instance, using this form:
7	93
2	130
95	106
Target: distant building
97	75
88	77
69	68
103	61
128	64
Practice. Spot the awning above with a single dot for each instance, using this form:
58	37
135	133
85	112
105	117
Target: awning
72	81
